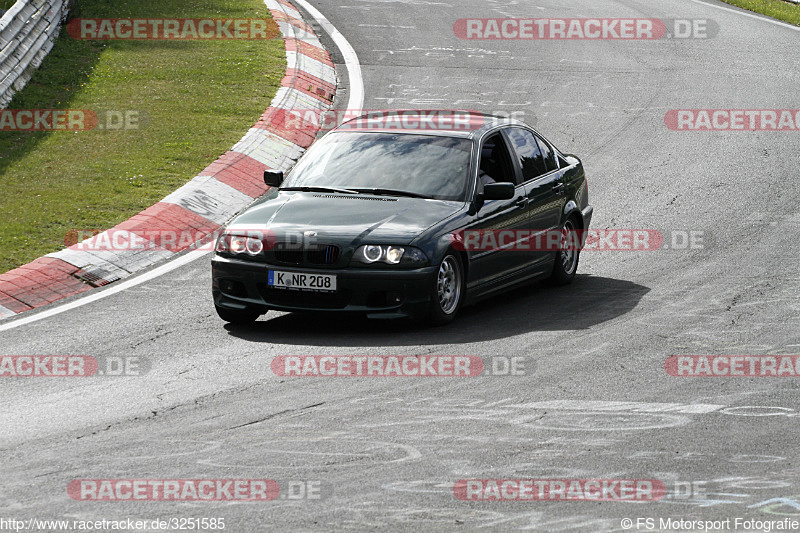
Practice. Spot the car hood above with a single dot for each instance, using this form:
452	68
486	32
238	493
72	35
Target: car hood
352	219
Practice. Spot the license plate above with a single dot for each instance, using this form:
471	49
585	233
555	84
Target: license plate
303	281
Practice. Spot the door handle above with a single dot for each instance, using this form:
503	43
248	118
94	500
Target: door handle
521	202
558	188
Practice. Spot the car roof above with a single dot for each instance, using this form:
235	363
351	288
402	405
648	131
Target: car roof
445	122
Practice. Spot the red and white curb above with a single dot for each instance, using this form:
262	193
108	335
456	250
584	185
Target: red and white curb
203	205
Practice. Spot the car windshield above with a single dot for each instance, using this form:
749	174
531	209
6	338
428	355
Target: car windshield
420	165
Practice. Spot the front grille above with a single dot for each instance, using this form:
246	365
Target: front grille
323	255
305	299
288	253
317	254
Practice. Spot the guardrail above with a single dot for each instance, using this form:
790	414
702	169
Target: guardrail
27	32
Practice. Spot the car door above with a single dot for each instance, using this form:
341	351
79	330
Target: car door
544	188
495	164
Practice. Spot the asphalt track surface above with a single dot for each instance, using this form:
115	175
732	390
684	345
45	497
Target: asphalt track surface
388	450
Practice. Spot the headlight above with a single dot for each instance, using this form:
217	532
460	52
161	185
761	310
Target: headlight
239	244
372	253
394	254
391	255
254	246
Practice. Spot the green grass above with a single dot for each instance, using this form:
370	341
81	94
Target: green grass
6	4
195	99
777	9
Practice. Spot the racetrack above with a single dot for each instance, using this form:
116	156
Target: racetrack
387	451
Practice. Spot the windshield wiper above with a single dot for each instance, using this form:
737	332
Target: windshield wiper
319	189
393	192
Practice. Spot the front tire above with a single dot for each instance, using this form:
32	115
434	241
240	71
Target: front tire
237	316
447	293
566	263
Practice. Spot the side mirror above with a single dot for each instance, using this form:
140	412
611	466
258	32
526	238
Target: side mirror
498	191
273	178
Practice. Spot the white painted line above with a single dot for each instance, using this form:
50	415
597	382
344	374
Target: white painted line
634	407
113	289
356	101
762	18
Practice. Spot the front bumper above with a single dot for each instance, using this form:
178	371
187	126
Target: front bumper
380	293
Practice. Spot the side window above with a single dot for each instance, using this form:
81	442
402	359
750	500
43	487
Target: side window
548	155
527	151
495	164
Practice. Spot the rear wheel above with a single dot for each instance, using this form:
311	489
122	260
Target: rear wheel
237	316
566	263
448	290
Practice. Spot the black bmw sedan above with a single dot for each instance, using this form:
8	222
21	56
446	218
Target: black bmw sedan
405	218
